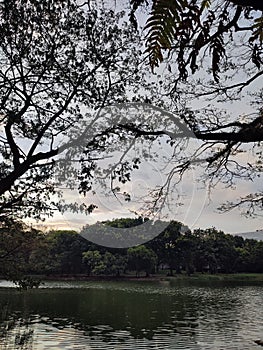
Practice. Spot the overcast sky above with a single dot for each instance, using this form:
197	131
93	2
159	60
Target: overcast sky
198	208
202	213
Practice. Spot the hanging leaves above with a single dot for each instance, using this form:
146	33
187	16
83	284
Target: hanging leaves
218	51
258	30
162	25
185	27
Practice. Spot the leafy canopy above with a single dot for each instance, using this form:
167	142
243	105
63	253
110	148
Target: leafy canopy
60	62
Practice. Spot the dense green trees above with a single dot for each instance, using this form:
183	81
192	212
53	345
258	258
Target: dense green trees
164	245
141	259
216	251
107	263
92	260
250	256
65	249
26	252
18	243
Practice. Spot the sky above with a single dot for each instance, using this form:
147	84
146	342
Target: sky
200	213
191	203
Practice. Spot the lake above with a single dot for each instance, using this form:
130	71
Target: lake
132	315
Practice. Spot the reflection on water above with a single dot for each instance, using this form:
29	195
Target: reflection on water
125	315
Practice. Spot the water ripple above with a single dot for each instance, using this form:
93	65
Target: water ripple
125	316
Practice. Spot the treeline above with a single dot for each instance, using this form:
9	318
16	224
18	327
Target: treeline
27	251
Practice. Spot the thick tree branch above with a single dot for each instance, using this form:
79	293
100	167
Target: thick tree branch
13	146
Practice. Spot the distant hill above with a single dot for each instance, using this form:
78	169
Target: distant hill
258	235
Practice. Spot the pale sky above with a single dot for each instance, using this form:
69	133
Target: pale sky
201	214
199	209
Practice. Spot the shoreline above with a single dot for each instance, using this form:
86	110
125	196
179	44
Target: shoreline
236	277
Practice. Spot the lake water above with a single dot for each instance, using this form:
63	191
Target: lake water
131	315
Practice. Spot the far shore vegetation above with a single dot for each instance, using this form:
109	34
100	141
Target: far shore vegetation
28	255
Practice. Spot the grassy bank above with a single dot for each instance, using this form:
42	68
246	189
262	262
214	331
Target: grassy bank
238	277
257	277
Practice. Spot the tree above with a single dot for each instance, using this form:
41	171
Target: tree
186	245
64	252
60	62
250	256
165	247
212	51
141	259
216	251
110	264
17	243
92	260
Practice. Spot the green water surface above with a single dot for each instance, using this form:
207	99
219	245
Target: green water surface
131	315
